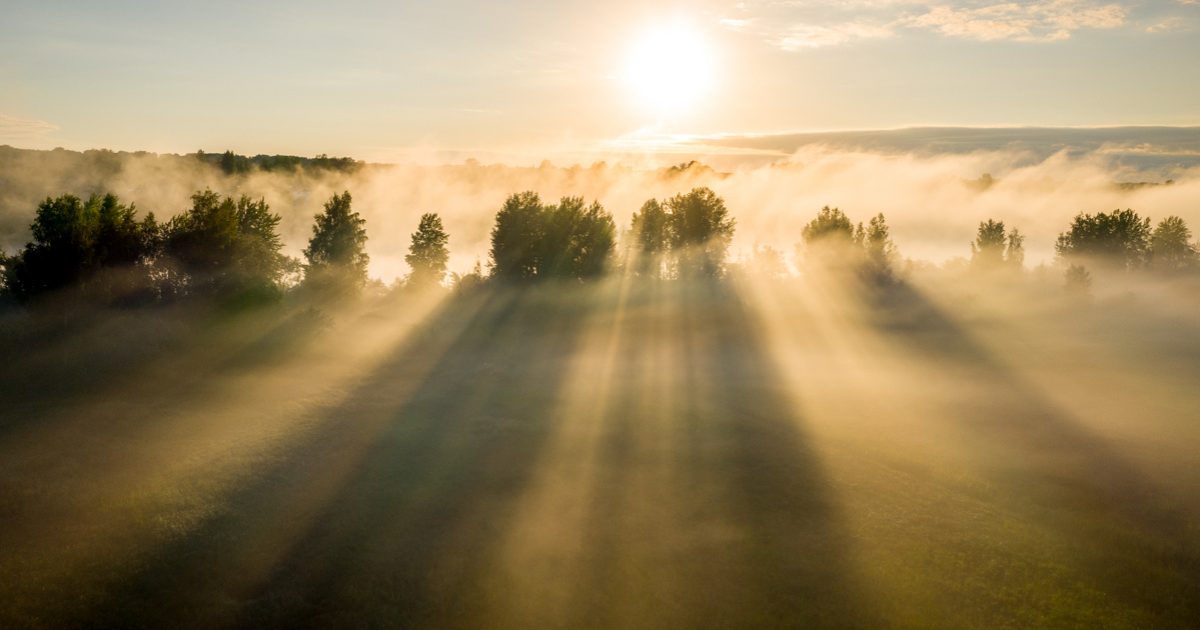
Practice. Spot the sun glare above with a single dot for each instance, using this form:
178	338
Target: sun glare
669	69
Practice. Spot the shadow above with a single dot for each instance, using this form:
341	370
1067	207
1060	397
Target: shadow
710	510
384	515
1074	480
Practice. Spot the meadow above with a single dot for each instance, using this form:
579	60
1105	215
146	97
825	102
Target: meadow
627	452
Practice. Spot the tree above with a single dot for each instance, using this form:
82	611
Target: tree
576	239
534	241
830	225
1015	254
1119	239
1078	280
988	248
336	256
98	246
701	231
652	238
516	237
226	248
1170	246
427	255
878	247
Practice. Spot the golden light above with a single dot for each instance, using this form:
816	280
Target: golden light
669	69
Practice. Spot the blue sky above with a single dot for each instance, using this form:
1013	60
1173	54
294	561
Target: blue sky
370	78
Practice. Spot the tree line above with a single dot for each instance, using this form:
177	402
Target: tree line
230	249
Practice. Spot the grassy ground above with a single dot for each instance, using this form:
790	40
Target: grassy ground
619	455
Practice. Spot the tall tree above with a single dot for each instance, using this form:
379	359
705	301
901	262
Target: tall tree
701	230
516	237
878	248
830	225
336	256
427	255
1015	254
1119	239
652	238
1171	249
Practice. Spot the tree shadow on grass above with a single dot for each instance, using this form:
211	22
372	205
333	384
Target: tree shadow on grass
1077	481
385	514
711	510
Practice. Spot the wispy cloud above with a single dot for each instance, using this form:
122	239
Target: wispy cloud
14	128
1028	22
802	36
804	24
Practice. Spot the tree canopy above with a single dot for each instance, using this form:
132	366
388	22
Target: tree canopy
1119	239
531	240
427	255
336	255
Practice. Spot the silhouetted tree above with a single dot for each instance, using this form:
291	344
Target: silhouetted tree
878	248
1015	254
427	255
516	237
1170	246
576	239
74	241
1118	239
651	232
336	257
701	231
226	248
534	241
988	248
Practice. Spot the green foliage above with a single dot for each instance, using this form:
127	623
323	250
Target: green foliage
1171	249
336	254
516	237
1119	239
74	241
531	240
225	248
427	255
701	230
231	163
1015	254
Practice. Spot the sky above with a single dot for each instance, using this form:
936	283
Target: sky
382	80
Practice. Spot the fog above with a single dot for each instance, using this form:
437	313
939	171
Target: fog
932	201
939	446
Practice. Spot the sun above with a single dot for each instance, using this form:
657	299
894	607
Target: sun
669	69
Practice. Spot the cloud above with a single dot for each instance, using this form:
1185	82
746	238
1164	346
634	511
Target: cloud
1027	22
802	36
1175	23
14	128
799	24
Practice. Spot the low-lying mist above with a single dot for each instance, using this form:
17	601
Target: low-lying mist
932	202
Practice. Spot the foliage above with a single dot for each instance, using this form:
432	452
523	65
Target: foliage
1171	249
1119	239
427	255
531	240
830	224
336	256
700	230
651	232
225	248
878	247
73	241
995	247
1078	280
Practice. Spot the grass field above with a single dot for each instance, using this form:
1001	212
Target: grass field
625	454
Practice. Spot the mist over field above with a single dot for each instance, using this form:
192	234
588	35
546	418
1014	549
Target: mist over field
933	191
